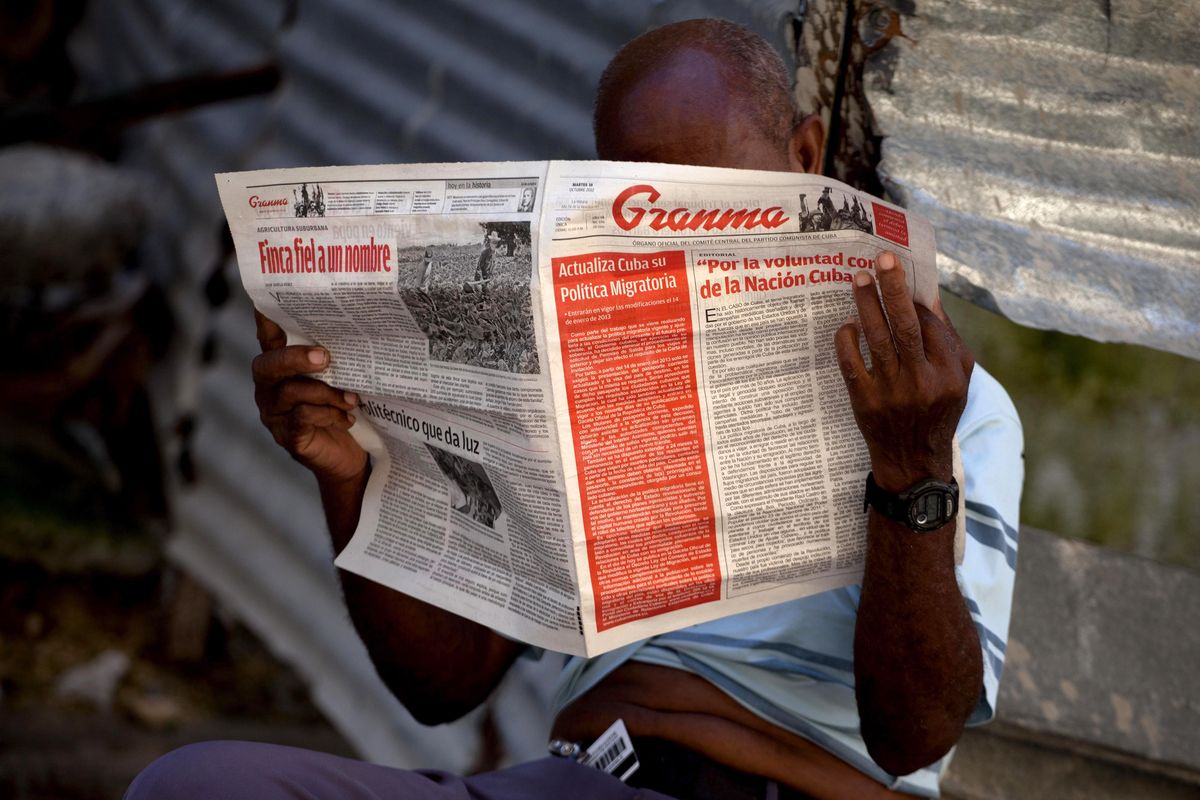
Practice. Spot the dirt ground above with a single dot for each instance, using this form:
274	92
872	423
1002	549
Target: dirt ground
193	674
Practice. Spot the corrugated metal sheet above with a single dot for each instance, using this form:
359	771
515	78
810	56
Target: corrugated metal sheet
1060	177
1057	151
363	82
1059	158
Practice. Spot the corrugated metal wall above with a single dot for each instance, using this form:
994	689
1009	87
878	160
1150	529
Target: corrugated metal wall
362	82
372	81
1057	152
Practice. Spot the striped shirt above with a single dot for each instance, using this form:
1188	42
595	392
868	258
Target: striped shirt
792	664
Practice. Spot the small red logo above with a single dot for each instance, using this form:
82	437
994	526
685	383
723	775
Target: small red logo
890	224
258	202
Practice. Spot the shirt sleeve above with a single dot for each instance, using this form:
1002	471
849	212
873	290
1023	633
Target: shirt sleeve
992	445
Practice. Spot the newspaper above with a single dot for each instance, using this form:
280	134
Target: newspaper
601	399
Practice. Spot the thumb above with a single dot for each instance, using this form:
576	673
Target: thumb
937	307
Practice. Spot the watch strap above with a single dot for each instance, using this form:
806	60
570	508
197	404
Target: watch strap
925	506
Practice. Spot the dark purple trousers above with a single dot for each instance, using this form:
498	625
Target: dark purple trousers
252	771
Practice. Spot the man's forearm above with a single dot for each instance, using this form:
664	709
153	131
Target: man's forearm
342	501
439	665
917	662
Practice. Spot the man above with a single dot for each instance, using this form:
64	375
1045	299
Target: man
850	693
427	269
483	268
826	206
526	203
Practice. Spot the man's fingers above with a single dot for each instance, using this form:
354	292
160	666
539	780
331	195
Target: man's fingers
874	324
296	430
958	346
287	395
270	335
905	325
309	417
938	310
281	363
936	334
850	359
942	341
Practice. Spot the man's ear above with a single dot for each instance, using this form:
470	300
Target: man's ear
807	145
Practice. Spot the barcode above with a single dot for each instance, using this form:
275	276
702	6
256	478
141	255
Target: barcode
610	755
612	752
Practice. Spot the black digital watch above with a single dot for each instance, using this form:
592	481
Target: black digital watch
925	506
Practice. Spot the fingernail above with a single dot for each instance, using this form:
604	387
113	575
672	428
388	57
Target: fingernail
351	398
887	261
317	357
862	278
850	320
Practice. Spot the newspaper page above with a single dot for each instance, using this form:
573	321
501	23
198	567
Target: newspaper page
601	400
417	279
691	316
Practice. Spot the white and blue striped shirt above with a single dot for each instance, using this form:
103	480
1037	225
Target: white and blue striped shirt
792	664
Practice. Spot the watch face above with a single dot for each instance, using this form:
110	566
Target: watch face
930	509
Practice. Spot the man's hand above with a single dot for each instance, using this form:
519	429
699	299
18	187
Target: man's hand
438	664
308	418
907	404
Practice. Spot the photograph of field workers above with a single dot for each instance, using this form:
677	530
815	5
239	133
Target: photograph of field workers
467	286
471	492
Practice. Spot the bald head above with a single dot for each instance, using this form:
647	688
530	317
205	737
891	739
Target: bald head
705	92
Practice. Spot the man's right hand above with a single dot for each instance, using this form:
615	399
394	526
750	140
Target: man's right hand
308	418
440	665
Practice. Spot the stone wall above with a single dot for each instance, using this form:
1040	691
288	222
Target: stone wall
1100	695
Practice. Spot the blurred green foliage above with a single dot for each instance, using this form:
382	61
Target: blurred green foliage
1112	434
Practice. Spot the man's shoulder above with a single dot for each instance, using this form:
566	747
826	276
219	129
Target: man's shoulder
993	452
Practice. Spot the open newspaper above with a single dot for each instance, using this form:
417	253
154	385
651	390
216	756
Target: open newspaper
601	400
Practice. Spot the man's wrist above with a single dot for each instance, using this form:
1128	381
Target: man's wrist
925	506
342	499
896	477
347	478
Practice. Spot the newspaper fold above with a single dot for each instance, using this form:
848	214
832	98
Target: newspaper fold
601	399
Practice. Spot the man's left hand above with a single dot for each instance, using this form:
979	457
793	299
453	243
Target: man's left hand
907	403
